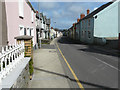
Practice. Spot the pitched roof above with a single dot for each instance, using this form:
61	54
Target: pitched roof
97	10
28	2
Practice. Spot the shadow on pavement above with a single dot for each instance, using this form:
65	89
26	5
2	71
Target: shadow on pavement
99	51
89	48
83	82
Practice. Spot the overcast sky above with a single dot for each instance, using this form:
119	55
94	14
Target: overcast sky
65	13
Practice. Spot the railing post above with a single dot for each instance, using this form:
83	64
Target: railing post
3	50
6	58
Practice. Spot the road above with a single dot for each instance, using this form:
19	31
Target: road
93	68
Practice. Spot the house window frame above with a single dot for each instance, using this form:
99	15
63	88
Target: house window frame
89	22
25	31
21	8
31	28
28	31
21	26
82	33
89	34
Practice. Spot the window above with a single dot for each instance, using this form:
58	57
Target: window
82	33
21	8
30	32
85	33
89	34
24	31
96	17
21	28
89	22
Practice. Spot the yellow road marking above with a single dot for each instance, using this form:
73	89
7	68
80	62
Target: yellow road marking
77	80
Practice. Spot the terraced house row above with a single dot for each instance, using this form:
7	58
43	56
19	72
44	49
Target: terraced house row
19	18
98	27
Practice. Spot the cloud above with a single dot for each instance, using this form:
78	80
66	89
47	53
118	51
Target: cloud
65	13
56	14
47	5
76	9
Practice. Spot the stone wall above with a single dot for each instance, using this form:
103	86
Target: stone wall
23	79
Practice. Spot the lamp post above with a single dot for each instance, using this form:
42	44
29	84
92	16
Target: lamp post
39	27
55	30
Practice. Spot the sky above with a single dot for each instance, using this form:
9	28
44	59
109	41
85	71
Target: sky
64	14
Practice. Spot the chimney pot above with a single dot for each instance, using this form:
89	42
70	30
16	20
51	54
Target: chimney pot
88	11
78	20
82	16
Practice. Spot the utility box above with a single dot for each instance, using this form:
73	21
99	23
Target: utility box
27	43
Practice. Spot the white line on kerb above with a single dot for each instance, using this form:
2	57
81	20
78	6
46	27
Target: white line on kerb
107	64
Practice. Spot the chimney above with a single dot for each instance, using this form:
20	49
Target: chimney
73	24
78	20
36	11
88	11
82	16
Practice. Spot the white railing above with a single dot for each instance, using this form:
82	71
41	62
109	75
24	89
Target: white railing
10	57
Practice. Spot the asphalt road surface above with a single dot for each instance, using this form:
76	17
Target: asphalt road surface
93	68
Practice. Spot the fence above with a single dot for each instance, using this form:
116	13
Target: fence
10	57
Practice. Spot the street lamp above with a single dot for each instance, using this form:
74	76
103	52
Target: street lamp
39	27
55	30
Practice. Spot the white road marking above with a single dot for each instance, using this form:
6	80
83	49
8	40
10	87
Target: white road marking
107	64
102	61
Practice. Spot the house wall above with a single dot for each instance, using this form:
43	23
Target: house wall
14	22
78	31
0	25
106	23
85	29
119	17
3	25
119	22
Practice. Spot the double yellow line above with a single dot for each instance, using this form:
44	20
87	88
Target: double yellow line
77	80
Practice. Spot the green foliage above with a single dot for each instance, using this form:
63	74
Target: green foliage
31	67
31	62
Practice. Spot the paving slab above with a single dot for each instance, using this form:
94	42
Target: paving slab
48	71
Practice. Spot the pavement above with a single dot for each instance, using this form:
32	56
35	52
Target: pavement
93	67
48	71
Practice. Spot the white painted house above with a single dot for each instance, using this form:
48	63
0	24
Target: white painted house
106	21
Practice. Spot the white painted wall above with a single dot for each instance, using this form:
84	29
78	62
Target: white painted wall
106	24
21	8
119	17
